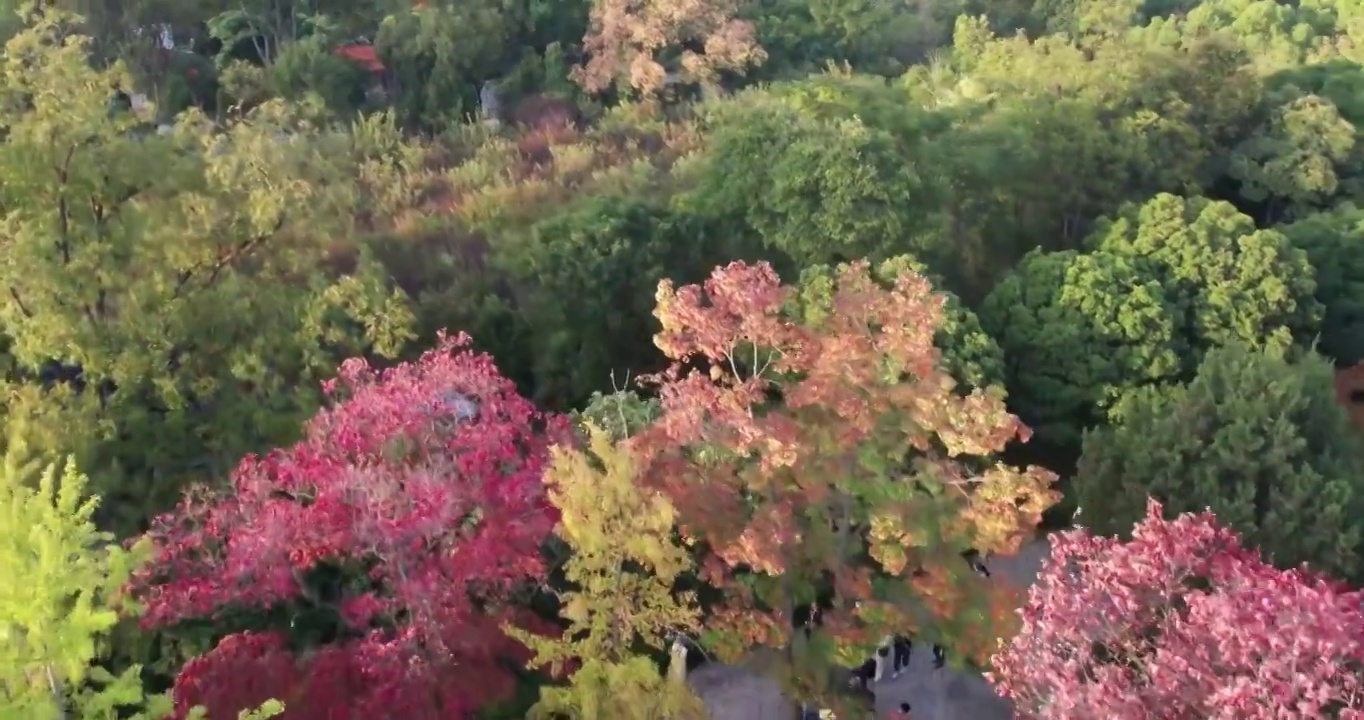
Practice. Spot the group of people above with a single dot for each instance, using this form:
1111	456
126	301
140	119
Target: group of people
890	660
892	656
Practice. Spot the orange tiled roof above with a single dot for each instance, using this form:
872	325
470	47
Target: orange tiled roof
363	55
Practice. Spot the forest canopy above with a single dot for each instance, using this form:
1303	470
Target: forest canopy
513	358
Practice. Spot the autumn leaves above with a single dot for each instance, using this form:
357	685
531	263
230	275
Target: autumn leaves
793	457
830	457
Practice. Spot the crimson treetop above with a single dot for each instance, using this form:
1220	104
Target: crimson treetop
421	489
1181	622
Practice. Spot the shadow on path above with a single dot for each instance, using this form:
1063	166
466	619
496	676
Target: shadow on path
949	694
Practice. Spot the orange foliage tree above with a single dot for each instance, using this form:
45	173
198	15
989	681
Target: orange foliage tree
628	40
833	456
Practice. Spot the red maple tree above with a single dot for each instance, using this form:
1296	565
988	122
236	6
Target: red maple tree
418	494
1182	622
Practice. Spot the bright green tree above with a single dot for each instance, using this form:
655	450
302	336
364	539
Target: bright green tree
1276	34
1228	280
60	599
63	599
621	577
1079	331
1297	159
1164	282
1256	438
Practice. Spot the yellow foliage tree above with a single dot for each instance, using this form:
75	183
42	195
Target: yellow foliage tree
624	564
61	598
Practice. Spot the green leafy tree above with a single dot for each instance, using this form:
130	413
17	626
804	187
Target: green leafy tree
1255	438
954	165
1227	279
1334	242
1079	331
802	36
440	55
309	65
259	30
584	280
621	576
61	599
1294	160
839	95
1091	20
621	414
1164	282
1131	119
1331	96
1277	35
825	190
168	303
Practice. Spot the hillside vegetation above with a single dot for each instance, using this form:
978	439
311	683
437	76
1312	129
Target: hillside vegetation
455	360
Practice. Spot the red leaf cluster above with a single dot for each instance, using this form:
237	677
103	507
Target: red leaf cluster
424	482
1182	622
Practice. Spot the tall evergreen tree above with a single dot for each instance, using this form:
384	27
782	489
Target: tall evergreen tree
1256	438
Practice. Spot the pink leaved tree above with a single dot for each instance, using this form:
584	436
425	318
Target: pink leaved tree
369	568
1181	623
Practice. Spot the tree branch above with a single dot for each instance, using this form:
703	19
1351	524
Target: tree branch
215	268
63	207
19	303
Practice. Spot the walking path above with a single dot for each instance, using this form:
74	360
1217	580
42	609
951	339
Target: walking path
949	694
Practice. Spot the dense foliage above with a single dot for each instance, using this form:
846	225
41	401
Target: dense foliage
625	562
1181	622
370	564
831	449
777	293
1161	284
165	308
62	599
1255	438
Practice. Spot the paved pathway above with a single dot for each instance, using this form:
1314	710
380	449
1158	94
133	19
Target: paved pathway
949	694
